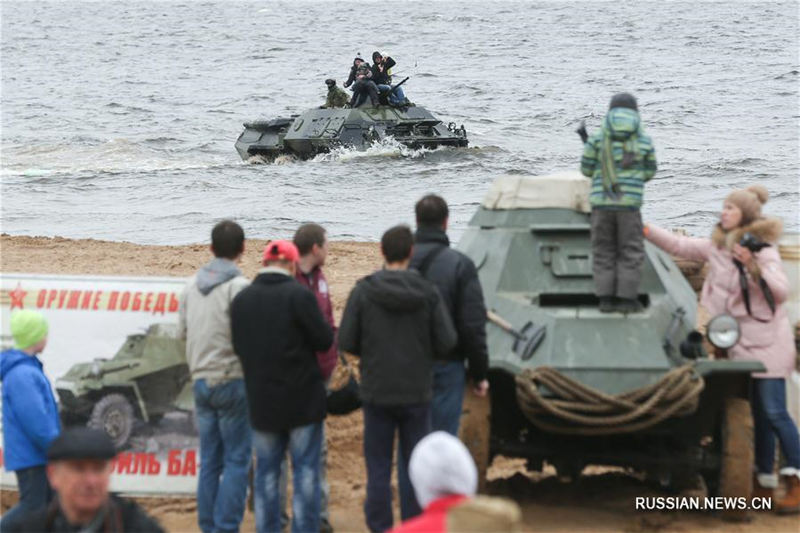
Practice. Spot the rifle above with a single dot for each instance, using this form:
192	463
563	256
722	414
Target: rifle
394	87
581	131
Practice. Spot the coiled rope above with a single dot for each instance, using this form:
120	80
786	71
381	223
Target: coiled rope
588	411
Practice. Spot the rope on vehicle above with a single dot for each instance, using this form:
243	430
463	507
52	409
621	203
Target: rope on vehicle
588	411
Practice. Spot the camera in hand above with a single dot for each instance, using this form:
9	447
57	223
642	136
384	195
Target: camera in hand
752	243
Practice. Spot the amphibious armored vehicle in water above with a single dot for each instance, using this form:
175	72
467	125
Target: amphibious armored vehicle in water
146	378
321	130
572	386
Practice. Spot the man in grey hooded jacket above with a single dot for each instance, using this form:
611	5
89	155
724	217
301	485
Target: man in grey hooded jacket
219	393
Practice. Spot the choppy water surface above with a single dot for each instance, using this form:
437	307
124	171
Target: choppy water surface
119	118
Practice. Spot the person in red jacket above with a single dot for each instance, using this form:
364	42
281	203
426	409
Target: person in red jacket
444	476
312	243
445	481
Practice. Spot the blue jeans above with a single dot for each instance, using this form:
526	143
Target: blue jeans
395	98
412	423
34	493
305	445
770	417
449	378
225	451
324	487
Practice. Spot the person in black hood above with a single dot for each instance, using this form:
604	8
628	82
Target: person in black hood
363	86
396	322
382	77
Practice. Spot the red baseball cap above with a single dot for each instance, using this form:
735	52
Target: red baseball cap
281	251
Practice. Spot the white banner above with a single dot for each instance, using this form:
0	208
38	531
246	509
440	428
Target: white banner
116	364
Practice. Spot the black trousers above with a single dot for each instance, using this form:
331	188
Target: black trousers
362	89
412	422
617	251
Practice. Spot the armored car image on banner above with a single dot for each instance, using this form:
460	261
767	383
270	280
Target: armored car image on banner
116	364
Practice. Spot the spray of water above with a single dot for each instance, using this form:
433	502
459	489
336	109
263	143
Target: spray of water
387	147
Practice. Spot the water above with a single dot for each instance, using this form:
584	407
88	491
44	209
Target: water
119	118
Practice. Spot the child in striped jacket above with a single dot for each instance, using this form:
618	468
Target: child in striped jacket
619	158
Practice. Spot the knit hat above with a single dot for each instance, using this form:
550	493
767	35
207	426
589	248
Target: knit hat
27	328
623	100
749	200
330	82
376	54
440	466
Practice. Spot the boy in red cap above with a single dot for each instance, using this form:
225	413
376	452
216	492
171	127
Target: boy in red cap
277	329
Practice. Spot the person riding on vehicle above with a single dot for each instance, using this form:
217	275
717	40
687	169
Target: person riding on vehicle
363	85
382	76
337	97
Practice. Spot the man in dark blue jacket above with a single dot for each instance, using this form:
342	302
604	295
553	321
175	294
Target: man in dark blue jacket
30	414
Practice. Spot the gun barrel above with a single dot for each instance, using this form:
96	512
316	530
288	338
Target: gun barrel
401	83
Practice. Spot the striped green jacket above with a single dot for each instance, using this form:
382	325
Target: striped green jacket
619	158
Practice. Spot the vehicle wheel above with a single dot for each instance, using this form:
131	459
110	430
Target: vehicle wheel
476	430
736	453
114	415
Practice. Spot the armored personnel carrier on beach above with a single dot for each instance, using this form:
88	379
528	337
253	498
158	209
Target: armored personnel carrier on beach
572	386
146	378
321	130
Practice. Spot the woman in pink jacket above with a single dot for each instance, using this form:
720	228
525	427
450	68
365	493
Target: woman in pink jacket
766	335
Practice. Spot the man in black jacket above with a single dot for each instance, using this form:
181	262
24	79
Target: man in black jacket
79	470
456	277
363	86
396	322
382	77
277	329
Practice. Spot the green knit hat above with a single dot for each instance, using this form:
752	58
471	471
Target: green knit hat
27	328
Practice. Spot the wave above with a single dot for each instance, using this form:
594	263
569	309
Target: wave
114	156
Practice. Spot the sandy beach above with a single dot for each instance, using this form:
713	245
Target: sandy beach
602	500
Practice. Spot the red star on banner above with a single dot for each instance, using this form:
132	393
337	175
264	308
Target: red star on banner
17	297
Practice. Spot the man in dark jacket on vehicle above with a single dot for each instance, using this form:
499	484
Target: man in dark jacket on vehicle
277	329
382	77
79	469
363	86
396	322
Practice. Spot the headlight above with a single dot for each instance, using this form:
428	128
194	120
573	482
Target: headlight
723	331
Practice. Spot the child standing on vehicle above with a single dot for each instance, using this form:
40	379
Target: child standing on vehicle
30	414
619	158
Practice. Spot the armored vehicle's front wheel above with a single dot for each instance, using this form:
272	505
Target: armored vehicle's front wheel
476	430
736	453
114	415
